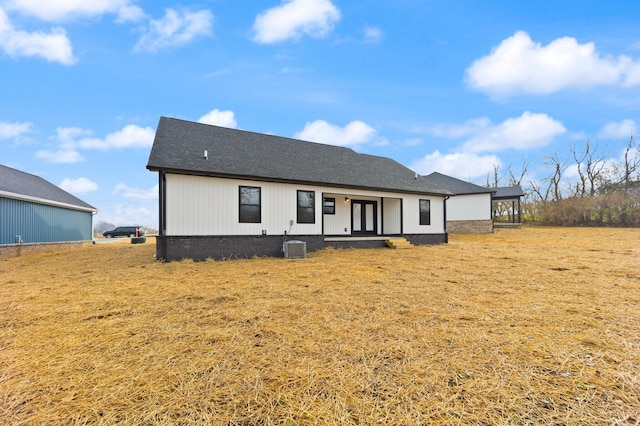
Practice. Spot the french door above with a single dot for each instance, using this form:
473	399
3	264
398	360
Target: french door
363	217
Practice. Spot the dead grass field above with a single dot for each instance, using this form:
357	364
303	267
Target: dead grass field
531	326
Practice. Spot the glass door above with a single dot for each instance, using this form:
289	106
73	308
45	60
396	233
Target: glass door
363	217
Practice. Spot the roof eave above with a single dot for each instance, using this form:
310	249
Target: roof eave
38	200
295	181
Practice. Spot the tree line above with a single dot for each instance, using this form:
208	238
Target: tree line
599	191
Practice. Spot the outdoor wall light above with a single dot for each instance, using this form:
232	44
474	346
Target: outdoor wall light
346	200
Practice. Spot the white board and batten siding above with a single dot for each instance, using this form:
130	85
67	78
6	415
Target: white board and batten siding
469	207
197	205
391	216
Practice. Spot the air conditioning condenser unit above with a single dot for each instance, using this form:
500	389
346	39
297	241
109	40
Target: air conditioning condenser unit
295	249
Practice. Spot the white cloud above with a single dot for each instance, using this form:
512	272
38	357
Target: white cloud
129	14
53	46
463	165
131	136
529	131
70	139
67	136
520	65
78	186
176	28
219	118
619	130
632	77
14	130
373	35
63	156
65	10
354	133
293	18
126	191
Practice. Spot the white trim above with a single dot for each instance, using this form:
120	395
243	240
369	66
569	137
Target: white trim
44	201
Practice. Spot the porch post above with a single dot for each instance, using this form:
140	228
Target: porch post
382	215
401	217
322	213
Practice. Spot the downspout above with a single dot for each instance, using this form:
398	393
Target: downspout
446	234
491	215
93	239
162	219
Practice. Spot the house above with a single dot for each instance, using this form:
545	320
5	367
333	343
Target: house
470	210
34	211
228	193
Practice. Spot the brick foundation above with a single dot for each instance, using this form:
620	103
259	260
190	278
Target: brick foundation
470	226
172	248
16	250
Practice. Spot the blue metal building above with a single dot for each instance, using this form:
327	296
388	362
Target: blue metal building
33	210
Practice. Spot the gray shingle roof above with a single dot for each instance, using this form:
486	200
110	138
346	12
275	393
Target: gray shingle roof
179	148
21	184
457	186
508	192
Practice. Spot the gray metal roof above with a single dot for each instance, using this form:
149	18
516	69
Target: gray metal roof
457	186
23	185
508	192
179	147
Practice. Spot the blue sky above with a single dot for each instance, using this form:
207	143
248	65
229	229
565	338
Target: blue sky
456	87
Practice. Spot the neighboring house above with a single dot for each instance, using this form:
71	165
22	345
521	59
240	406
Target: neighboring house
470	210
507	206
33	210
227	193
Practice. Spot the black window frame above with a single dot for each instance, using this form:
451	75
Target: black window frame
331	208
306	214
425	214
243	215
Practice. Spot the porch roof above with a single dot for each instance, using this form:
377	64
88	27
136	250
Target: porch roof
508	192
457	186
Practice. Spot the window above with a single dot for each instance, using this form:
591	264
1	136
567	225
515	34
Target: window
249	204
329	206
306	207
425	212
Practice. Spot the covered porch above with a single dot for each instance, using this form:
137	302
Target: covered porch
506	207
356	216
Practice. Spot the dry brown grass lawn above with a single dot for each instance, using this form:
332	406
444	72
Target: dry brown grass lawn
531	326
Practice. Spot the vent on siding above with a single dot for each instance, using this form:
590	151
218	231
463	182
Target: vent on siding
295	249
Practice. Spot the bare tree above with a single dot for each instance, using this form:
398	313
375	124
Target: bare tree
555	180
540	194
595	168
517	179
631	162
591	169
581	185
494	182
625	173
552	190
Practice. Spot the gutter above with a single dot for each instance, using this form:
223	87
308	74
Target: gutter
443	193
44	201
446	234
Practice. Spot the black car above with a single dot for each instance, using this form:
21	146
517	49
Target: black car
124	231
